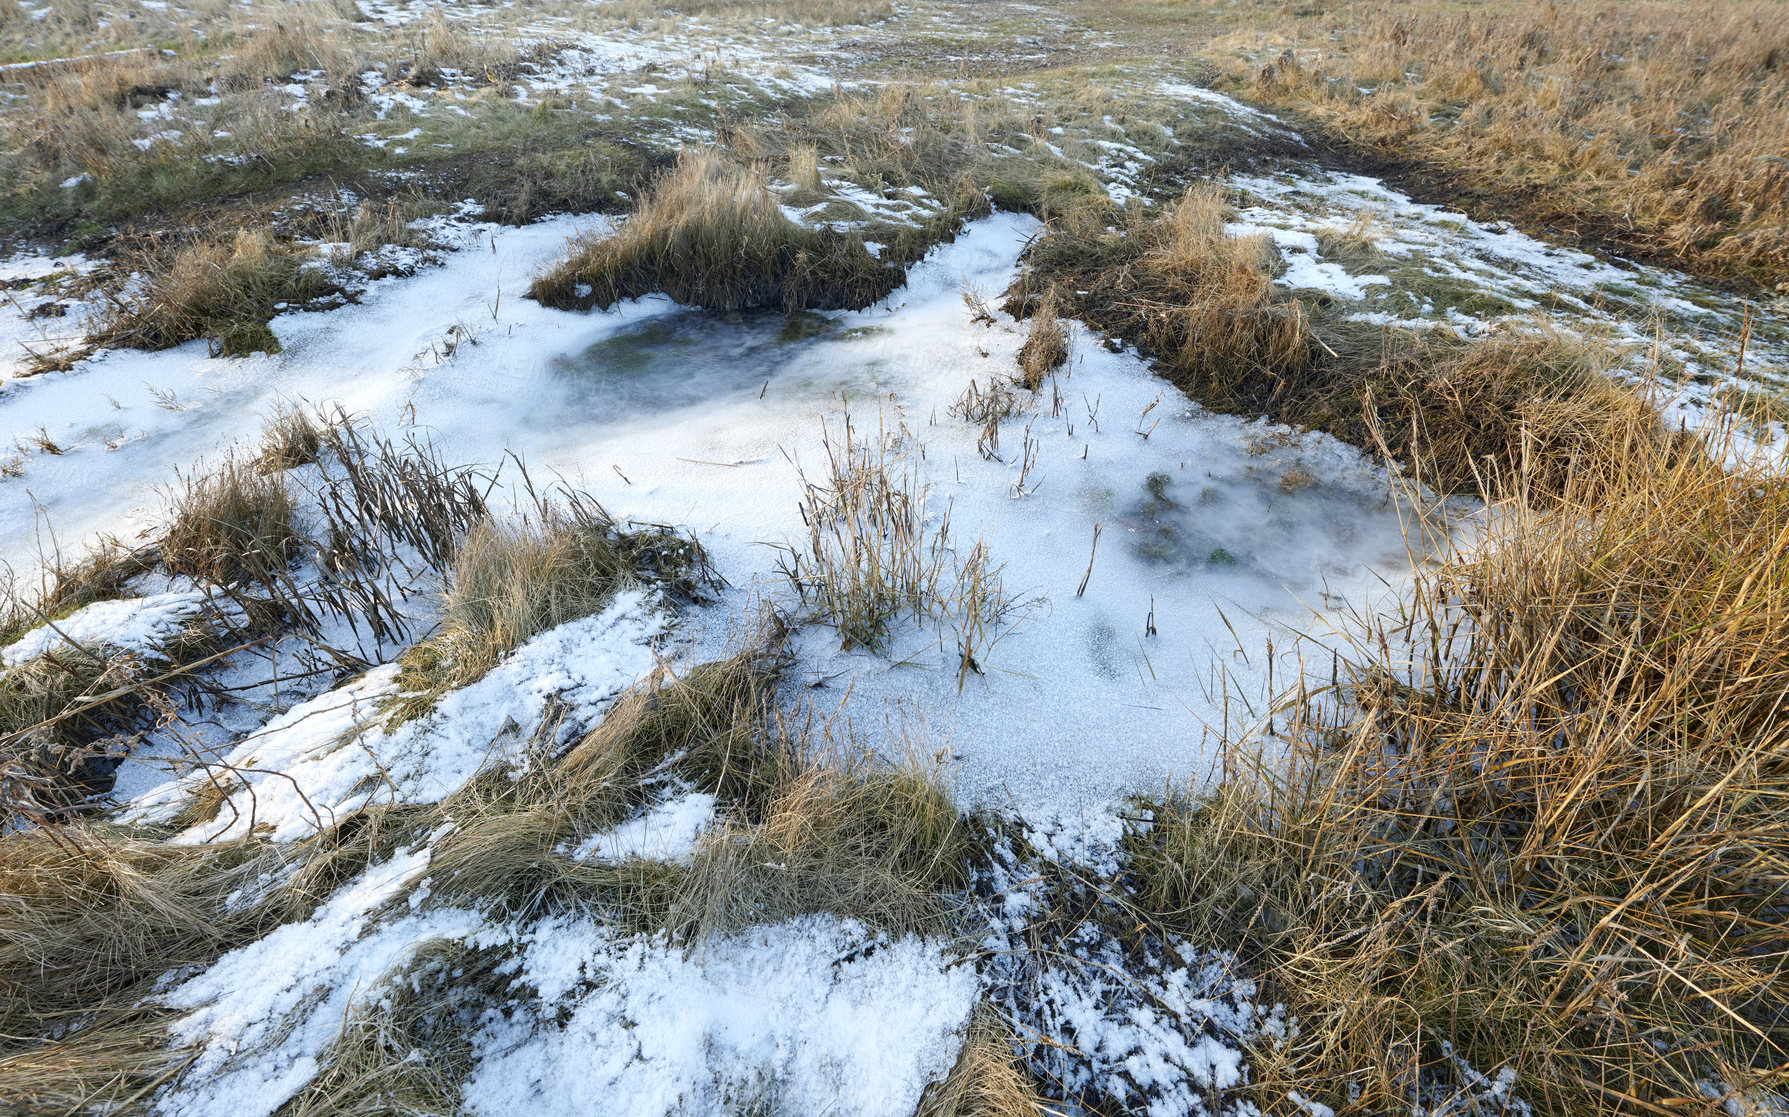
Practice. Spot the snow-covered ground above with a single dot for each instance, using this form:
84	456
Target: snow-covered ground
1165	567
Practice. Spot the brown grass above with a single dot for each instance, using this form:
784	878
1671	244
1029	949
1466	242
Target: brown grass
1204	305
512	580
710	234
875	556
1548	831
236	524
986	1080
291	437
1046	346
66	585
92	917
224	290
1656	128
806	824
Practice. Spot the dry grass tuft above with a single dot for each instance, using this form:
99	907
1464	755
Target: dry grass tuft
100	574
1046	346
1458	411
224	290
704	726
232	526
1542	829
839	830
805	825
873	554
512	580
710	234
92	917
64	716
987	1080
292	437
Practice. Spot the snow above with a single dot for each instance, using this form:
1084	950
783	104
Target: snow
329	756
260	1018
814	1015
131	624
666	832
1160	1027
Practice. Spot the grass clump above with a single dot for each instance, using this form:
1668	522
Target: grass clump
63	717
1046	346
1205	306
224	290
986	1080
291	437
802	826
1540	835
711	234
234	525
838	830
100	574
512	580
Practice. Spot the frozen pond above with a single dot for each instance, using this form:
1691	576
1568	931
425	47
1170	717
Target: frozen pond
1216	533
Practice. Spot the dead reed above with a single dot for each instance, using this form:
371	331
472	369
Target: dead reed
873	554
1531	846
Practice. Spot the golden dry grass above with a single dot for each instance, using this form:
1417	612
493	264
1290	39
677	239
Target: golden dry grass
711	234
222	289
1204	305
986	1080
1654	127
1548	831
233	525
1046	346
92	916
512	580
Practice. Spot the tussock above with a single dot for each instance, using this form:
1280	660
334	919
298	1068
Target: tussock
223	289
233	526
1046	346
63	717
711	234
704	726
292	437
512	580
91	917
1459	411
100	574
1538	829
840	831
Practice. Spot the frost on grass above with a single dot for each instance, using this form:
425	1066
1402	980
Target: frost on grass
813	1015
1111	1013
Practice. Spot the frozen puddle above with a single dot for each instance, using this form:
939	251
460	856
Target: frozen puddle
1216	534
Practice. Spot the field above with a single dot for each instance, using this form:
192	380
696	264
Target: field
900	557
